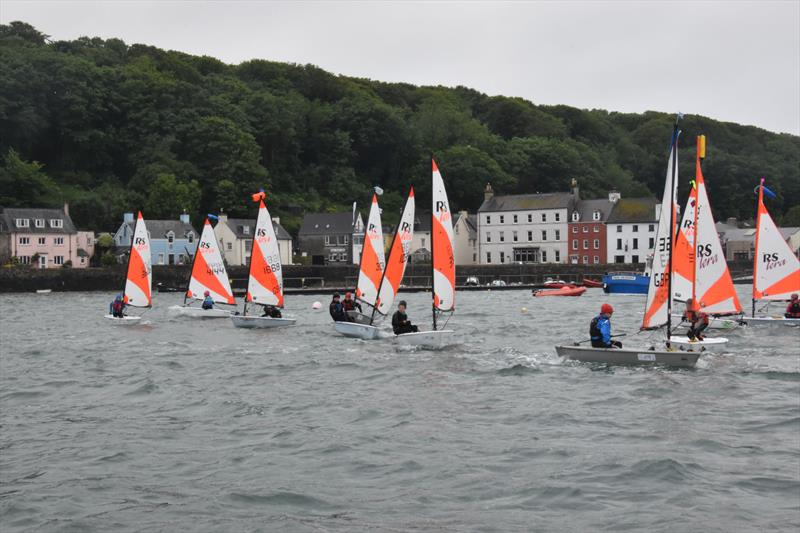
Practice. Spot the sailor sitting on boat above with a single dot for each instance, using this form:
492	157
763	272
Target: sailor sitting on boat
271	311
600	329
400	322
349	304
698	321
793	310
338	314
117	307
208	301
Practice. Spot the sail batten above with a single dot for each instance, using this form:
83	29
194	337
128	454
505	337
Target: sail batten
139	276
265	282
776	270
208	270
373	260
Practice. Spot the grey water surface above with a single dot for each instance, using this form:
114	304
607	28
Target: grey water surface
186	425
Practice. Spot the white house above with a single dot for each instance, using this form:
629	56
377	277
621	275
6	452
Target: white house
524	228
465	237
631	230
235	236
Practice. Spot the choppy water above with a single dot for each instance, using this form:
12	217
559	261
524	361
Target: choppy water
197	426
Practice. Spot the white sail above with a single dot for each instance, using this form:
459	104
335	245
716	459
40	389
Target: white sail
683	259
265	284
398	257
776	270
657	306
139	278
444	266
373	261
208	270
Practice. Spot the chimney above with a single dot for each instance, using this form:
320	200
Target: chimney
614	196
488	192
222	216
575	190
127	217
66	208
276	220
184	217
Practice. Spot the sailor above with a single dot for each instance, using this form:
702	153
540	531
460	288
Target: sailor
600	329
117	307
349	304
337	311
793	309
271	311
400	322
208	301
698	321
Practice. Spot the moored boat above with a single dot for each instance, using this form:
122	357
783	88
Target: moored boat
563	291
625	283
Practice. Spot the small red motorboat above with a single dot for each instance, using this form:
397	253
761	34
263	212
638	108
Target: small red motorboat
592	283
563	291
556	284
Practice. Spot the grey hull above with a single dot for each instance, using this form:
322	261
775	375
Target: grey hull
609	356
260	322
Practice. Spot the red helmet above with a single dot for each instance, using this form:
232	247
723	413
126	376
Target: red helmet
206	293
606	309
348	295
794	296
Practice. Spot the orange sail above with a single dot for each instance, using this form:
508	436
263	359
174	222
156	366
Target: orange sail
370	269
208	270
265	284
683	259
398	257
444	265
139	277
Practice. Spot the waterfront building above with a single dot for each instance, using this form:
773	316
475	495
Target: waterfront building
631	229
587	230
331	238
235	236
172	242
465	238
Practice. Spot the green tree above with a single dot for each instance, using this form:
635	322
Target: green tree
168	197
791	219
23	184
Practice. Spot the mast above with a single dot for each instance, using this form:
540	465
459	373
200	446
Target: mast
433	250
250	266
675	134
130	252
755	255
194	259
700	155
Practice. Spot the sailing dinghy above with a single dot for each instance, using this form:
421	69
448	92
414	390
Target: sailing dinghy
265	282
208	275
139	275
659	293
776	270
443	266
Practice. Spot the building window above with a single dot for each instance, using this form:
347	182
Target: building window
530	236
635	245
502	257
58	241
526	255
544	234
574	229
619	229
597	244
636	228
39	223
160	259
544	217
544	256
22	223
596	259
474	257
558	216
488	219
619	258
585	244
586	229
229	246
423	242
502	238
24	259
651	242
488	257
170	237
24	240
347	240
651	228
634	259
42	240
327	240
488	237
56	223
596	228
58	260
190	237
558	256
558	235
619	244
575	216
514	235
515	219
574	244
596	215
585	259
502	219
530	217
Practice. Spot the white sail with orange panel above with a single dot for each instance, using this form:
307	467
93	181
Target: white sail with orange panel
373	260
444	266
683	259
398	257
208	270
139	278
265	284
776	270
658	293
713	286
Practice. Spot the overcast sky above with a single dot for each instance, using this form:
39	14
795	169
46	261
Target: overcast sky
736	61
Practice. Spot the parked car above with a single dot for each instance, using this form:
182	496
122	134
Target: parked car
472	281
498	283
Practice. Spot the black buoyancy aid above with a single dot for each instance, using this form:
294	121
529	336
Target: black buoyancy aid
594	329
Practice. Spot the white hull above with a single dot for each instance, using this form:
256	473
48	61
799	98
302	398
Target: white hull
126	320
199	312
771	321
357	331
705	344
714	322
432	340
624	356
260	322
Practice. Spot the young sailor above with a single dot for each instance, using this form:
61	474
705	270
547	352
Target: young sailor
208	301
336	309
400	322
117	307
697	320
600	329
793	309
349	304
271	311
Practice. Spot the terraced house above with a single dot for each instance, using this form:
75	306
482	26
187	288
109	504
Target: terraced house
172	242
45	238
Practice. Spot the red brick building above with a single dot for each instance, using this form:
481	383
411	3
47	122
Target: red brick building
587	231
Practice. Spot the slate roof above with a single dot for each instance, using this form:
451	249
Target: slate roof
633	210
749	234
158	229
237	227
527	202
327	223
471	223
586	209
8	216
